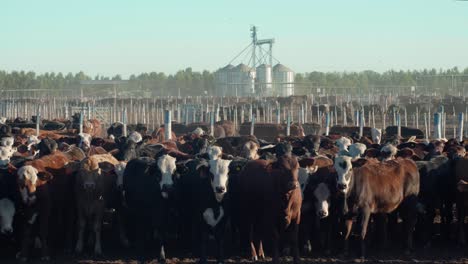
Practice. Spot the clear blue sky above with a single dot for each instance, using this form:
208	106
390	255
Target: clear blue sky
123	37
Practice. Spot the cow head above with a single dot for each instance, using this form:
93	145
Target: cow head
344	171
283	149
119	170
7	212
7	141
312	143
200	145
388	152
215	152
356	150
288	168
322	200
85	141
27	180
376	135
5	154
32	140
219	170
47	146
303	176
88	174
135	137
198	132
343	143
167	166
250	150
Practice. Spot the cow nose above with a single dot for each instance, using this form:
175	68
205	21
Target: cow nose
342	186
7	231
220	189
166	187
89	185
322	213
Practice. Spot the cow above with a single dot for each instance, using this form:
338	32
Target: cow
204	190
406	132
270	197
461	167
93	191
85	145
46	187
317	214
378	187
148	186
437	182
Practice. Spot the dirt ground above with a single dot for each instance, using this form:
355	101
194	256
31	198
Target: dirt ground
439	255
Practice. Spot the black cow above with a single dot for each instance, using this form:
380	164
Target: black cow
148	186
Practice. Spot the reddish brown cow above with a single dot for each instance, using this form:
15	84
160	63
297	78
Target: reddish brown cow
46	186
379	187
270	197
160	135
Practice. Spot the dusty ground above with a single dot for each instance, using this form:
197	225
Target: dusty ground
439	255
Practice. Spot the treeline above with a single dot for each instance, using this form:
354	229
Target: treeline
188	82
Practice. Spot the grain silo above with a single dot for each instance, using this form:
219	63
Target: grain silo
223	78
283	80
243	80
264	80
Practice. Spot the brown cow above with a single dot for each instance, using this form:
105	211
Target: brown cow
270	197
160	135
46	187
379	187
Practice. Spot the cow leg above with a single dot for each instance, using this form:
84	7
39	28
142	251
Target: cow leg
97	227
275	245
294	242
22	256
365	216
203	246
261	253
410	215
43	235
461	223
219	236
81	225
382	226
348	228
253	252
122	231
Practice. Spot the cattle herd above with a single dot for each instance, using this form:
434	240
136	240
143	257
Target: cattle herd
224	196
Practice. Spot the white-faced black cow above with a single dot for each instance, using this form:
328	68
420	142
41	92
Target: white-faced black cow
148	185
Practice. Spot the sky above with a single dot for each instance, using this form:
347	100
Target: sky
109	37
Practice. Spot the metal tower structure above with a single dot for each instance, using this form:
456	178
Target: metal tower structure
256	43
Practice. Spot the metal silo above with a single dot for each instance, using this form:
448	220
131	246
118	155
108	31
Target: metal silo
243	80
222	80
264	80
283	79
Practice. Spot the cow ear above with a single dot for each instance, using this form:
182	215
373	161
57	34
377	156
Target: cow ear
203	169
45	176
72	167
359	163
106	167
307	162
372	153
22	149
405	153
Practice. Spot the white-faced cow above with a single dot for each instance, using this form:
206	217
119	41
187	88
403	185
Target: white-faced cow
378	187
